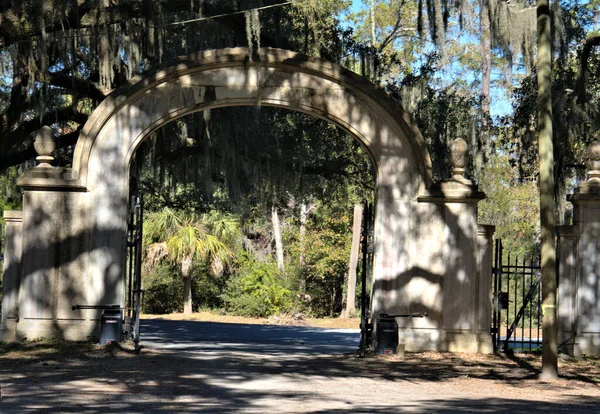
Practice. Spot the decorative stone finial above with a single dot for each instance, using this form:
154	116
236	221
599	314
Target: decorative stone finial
589	190
44	145
459	154
592	160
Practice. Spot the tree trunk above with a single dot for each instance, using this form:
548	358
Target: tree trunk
483	144
372	12
547	201
350	306
438	22
187	295
302	240
278	239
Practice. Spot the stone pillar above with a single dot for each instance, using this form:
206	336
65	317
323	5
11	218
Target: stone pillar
56	230
55	272
580	292
459	323
567	241
12	275
485	235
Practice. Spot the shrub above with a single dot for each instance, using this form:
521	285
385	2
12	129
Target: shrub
206	288
256	290
163	290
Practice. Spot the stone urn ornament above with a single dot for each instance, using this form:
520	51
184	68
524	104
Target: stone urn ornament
592	161
459	157
457	188
44	145
591	186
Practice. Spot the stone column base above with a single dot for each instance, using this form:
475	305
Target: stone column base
587	345
70	330
445	341
484	343
8	330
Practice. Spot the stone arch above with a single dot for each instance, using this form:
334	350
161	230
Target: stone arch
81	252
270	77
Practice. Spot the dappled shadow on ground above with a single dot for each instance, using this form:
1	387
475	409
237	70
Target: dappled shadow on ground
84	377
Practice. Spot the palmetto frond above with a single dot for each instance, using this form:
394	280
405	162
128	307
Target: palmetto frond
187	241
217	253
224	226
160	224
155	253
187	238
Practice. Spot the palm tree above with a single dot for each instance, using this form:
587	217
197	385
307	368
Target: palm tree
182	237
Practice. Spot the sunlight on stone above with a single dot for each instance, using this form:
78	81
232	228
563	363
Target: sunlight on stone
428	293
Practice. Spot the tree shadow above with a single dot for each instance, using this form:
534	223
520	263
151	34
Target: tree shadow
75	377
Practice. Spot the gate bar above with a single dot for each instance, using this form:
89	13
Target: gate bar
364	319
521	311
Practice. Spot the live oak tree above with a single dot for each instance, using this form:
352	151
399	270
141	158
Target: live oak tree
61	58
547	202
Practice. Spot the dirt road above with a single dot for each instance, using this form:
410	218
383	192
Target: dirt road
60	377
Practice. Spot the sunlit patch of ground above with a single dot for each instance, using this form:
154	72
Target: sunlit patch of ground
205	316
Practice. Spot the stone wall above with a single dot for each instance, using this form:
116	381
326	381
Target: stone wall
11	281
450	271
579	266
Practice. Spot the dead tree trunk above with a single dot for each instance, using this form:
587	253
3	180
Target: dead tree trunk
278	238
350	306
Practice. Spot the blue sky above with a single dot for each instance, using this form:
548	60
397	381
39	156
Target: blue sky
500	102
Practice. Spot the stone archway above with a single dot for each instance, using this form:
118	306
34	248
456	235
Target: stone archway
427	254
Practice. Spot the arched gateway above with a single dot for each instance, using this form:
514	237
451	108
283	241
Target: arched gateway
68	244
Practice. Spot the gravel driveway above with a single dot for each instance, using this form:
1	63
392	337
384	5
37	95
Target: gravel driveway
67	377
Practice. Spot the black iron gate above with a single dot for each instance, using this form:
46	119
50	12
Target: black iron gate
134	269
516	314
366	266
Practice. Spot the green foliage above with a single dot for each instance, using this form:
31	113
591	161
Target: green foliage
329	239
182	237
207	289
10	195
512	206
163	291
256	289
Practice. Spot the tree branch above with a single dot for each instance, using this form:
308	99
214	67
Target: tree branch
29	153
20	135
392	36
12	29
72	83
87	16
590	43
